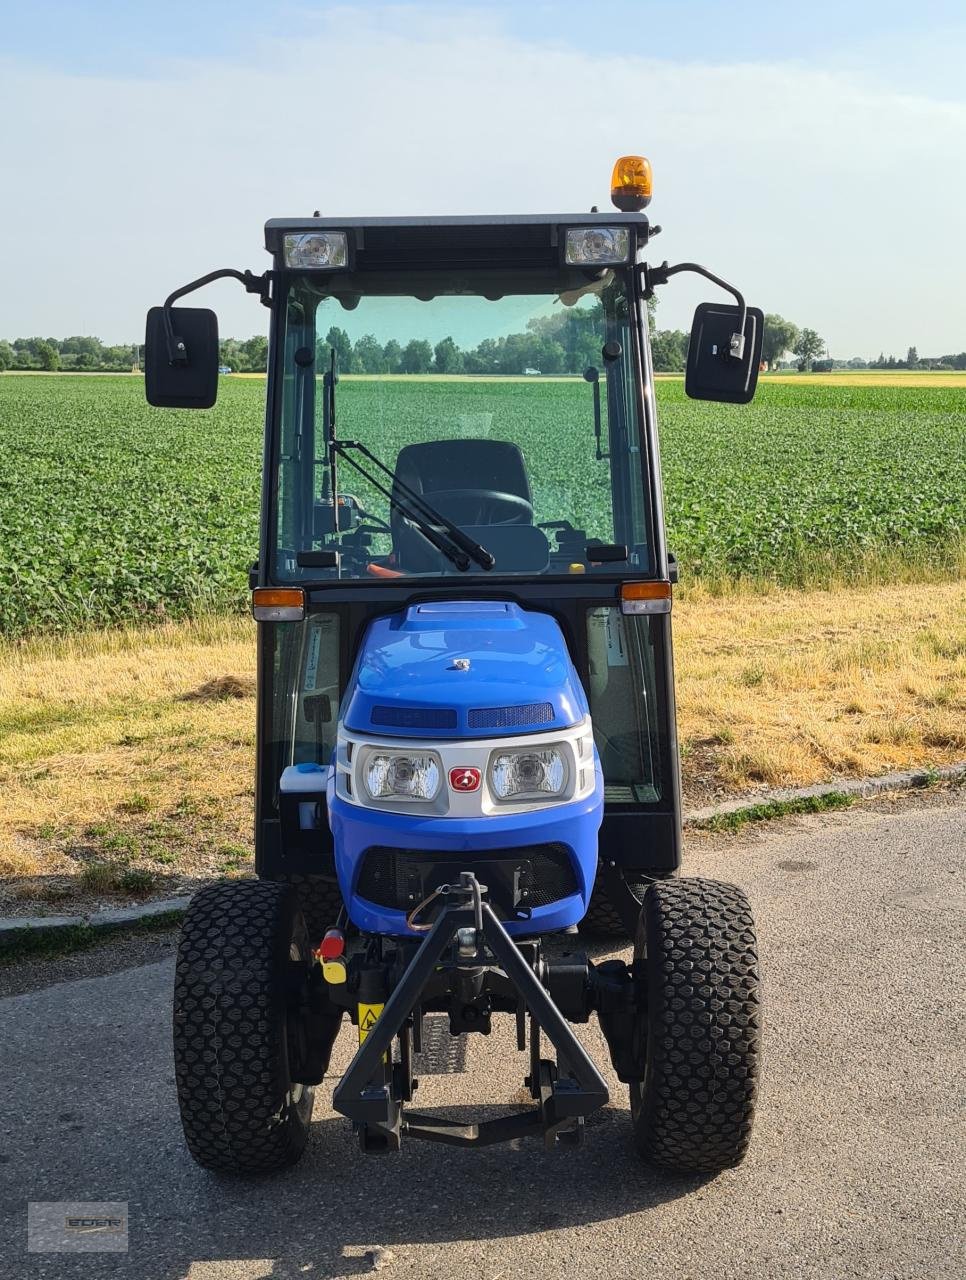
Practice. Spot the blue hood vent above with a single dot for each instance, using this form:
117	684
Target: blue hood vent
463	668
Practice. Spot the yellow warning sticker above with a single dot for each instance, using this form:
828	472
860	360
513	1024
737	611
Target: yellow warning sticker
368	1016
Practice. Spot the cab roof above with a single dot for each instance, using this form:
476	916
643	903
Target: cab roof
275	228
507	240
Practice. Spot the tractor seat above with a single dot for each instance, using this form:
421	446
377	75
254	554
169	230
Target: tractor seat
481	484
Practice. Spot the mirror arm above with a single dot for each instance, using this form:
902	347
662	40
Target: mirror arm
653	276
262	285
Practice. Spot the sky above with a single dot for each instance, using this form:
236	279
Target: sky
812	154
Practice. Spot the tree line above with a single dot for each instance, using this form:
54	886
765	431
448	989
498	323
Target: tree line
565	343
78	354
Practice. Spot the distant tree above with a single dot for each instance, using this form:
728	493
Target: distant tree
417	357
120	357
548	356
85	353
485	358
577	330
25	352
780	335
912	358
392	356
6	356
669	350
256	353
808	346
340	341
231	354
448	357
48	355
958	361
652	312
367	355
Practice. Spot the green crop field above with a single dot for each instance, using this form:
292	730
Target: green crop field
112	511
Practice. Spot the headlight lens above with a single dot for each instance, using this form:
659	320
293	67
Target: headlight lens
328	249
402	777
596	246
526	774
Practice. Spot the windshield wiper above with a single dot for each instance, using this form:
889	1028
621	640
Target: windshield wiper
447	546
456	545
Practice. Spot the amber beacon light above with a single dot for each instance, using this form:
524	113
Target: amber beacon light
631	183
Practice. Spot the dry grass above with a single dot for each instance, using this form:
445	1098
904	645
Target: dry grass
125	752
126	757
800	687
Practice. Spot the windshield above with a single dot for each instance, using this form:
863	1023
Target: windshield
463	434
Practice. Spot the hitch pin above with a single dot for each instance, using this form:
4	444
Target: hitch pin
442	891
467	943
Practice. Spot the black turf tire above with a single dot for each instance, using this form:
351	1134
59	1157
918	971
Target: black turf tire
241	943
321	901
602	919
700	1034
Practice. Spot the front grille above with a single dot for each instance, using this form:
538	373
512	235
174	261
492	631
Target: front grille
414	717
531	876
522	717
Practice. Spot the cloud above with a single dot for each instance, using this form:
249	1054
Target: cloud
826	196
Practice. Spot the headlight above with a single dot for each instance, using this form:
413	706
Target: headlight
597	246
402	777
328	249
523	774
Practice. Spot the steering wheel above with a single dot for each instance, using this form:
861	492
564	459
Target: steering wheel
481	506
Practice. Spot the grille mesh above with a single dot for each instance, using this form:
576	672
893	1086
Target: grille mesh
415	717
531	876
530	713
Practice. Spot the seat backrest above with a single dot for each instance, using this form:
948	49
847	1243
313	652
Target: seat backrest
438	465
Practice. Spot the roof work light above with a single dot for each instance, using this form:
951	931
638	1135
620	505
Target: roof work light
596	246
631	183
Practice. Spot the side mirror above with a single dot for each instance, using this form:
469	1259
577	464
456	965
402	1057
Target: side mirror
181	364
713	373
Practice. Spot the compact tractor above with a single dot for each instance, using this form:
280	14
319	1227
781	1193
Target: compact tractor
466	745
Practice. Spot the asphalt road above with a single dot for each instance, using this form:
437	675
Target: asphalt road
855	1168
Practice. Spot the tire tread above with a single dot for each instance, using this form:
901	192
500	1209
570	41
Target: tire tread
695	1108
230	1051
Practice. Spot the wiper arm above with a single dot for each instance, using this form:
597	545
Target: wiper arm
449	548
429	515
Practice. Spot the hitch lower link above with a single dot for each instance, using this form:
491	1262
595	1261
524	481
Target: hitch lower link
466	939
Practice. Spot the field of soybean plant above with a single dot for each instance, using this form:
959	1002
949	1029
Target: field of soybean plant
111	511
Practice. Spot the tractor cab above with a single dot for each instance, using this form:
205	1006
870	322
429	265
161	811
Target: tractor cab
463	593
474	481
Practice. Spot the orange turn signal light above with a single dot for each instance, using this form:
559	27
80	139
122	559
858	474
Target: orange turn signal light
278	604
646	597
631	183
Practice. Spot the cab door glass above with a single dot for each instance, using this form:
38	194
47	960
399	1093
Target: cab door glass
623	704
315	690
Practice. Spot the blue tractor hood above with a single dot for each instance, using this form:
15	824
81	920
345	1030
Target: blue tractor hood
463	669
